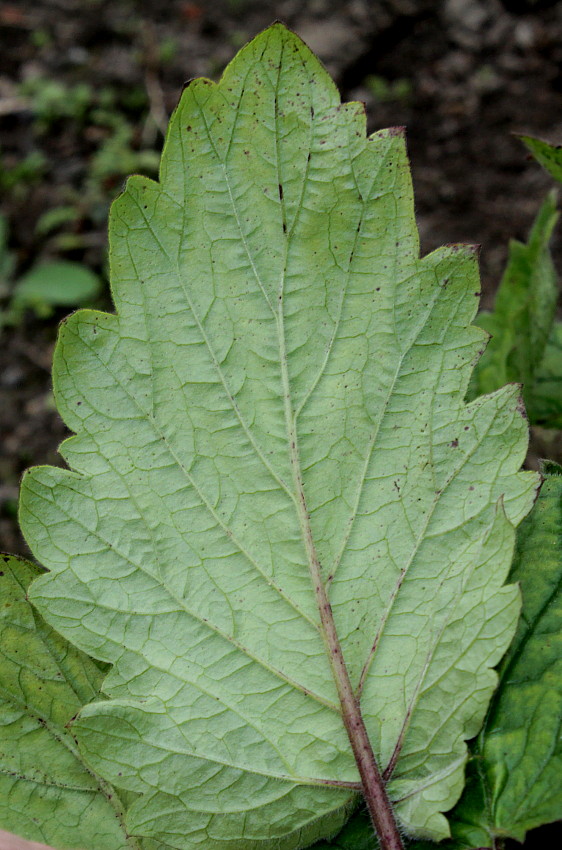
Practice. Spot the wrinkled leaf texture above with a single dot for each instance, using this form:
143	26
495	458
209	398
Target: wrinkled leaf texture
47	794
284	378
515	785
516	760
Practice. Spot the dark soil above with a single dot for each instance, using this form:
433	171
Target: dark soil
462	75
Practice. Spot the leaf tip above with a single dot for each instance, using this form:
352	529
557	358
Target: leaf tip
396	131
549	467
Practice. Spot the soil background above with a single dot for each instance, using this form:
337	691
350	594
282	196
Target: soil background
86	89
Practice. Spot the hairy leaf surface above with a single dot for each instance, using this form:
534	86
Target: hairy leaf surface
513	777
47	793
280	392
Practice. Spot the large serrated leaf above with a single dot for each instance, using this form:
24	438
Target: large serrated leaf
46	791
279	398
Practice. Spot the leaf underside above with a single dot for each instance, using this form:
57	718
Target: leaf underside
284	378
513	777
46	792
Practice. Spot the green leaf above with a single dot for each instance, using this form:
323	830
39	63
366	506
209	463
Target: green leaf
54	218
547	390
513	776
549	156
277	412
521	746
514	782
46	791
7	263
60	284
523	313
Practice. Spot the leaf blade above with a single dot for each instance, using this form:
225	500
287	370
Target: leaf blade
521	748
199	409
549	156
47	793
524	311
512	784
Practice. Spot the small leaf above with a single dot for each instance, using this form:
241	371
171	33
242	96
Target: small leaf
549	156
275	417
60	284
47	793
523	313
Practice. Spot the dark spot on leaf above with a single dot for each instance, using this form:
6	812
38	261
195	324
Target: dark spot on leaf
454	443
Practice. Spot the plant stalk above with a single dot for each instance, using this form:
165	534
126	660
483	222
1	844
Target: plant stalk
373	784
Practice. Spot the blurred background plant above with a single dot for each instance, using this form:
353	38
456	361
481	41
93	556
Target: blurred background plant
44	287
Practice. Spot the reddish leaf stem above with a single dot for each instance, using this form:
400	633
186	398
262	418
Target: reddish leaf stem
373	785
372	782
